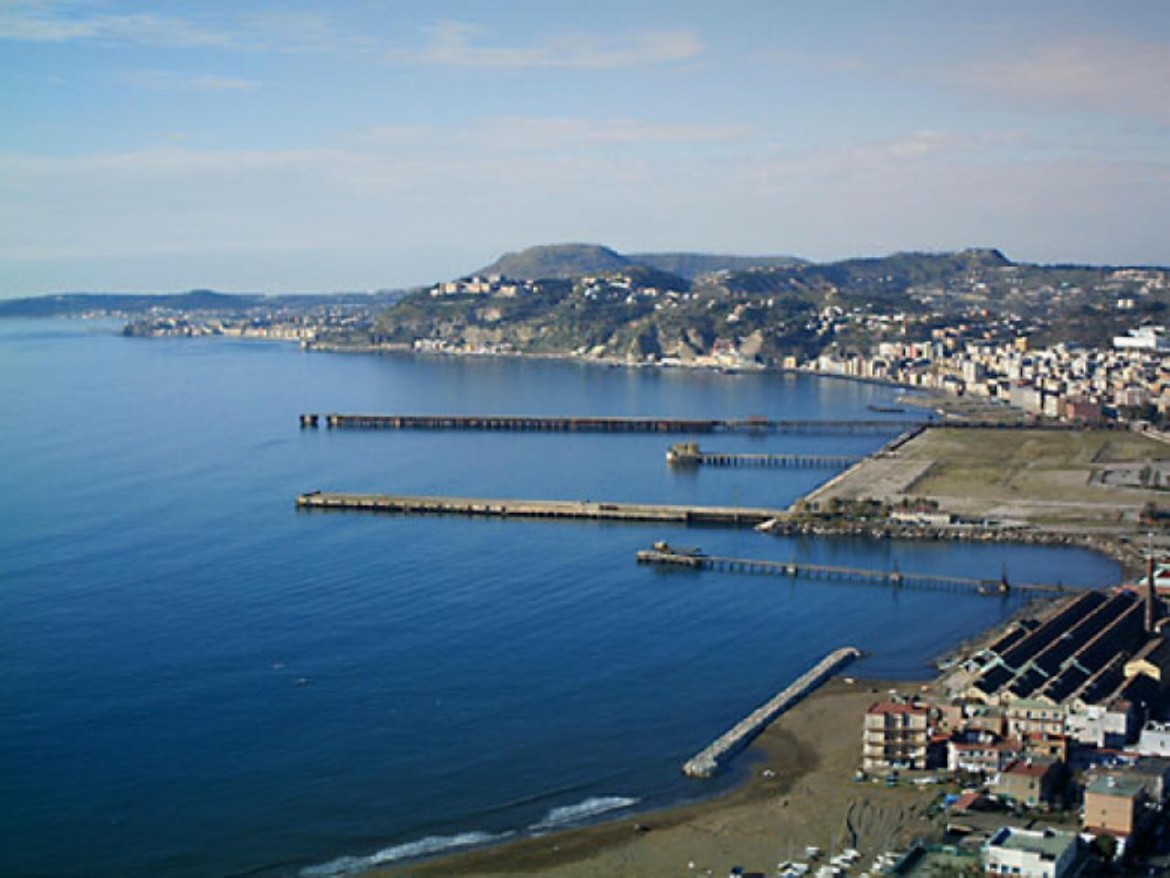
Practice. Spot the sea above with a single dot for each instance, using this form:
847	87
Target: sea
197	679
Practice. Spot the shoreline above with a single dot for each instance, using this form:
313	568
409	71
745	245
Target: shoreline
805	792
799	791
1128	556
798	787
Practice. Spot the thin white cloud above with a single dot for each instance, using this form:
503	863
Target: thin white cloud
166	80
48	21
299	31
1102	74
454	44
63	21
929	189
528	135
557	132
877	156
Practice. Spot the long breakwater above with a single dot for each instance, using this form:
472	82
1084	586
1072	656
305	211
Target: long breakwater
406	504
590	424
707	762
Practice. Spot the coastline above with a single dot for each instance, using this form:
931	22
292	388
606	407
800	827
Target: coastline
801	791
808	791
799	787
1126	553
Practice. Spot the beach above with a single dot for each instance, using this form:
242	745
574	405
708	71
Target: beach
801	792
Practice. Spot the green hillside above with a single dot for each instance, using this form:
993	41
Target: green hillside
587	300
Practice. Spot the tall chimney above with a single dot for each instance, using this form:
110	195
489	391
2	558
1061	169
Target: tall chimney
1151	597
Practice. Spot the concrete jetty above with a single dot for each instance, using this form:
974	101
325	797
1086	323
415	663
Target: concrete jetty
727	516
689	454
708	762
665	556
591	424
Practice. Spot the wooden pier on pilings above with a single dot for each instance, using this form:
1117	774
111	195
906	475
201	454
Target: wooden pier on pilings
591	424
688	454
710	760
404	504
664	556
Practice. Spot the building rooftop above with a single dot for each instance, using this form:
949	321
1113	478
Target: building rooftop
1049	844
1079	652
1029	767
898	707
1116	785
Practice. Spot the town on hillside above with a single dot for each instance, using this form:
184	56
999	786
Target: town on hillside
1081	344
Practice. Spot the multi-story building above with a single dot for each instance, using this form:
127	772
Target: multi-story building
979	752
1029	782
1113	805
895	735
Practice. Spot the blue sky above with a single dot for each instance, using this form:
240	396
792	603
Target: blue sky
358	144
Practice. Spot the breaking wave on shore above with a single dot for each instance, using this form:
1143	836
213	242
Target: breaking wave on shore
432	845
437	845
568	815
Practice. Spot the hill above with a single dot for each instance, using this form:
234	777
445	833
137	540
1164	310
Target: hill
579	260
588	300
557	261
66	304
694	265
195	301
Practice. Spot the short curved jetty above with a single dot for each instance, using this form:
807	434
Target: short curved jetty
708	762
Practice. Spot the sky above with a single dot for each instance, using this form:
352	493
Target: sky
254	145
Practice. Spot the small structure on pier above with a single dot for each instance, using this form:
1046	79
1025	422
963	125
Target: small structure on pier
684	454
689	454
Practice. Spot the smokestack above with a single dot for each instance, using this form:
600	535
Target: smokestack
1151	598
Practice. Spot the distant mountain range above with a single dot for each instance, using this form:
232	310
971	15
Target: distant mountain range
587	297
206	301
577	260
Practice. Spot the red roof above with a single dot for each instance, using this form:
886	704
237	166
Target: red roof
1028	769
966	801
896	707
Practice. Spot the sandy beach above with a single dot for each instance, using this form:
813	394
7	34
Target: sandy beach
802	792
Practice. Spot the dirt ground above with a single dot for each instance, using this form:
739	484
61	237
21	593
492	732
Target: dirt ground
1035	476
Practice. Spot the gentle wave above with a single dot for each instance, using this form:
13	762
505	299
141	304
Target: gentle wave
432	844
570	814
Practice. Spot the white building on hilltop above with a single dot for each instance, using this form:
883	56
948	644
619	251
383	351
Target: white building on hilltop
1144	338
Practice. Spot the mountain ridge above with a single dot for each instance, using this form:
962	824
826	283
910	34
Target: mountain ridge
574	260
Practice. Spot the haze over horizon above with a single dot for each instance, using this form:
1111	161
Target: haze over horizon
250	146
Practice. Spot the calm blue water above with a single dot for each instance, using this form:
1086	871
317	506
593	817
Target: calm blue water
160	599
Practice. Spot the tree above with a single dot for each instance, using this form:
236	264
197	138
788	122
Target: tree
1105	846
